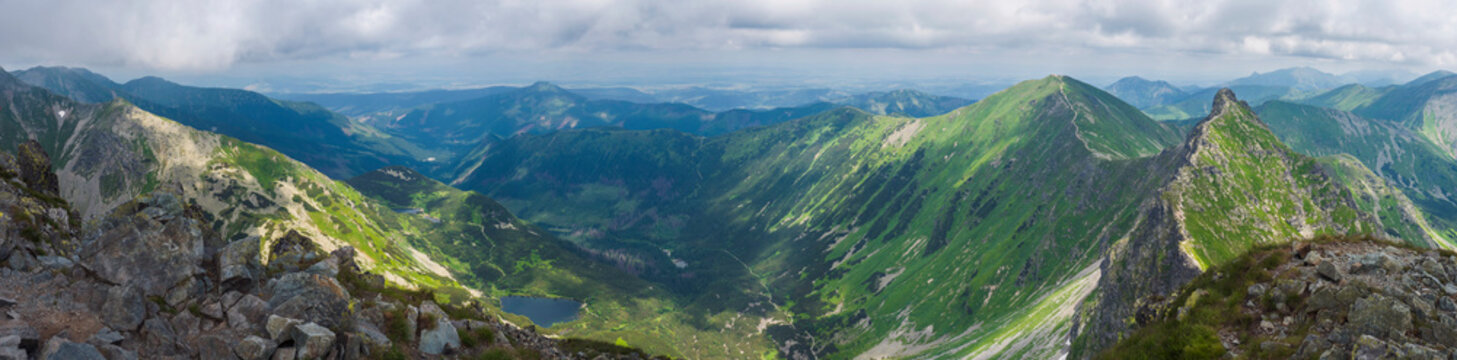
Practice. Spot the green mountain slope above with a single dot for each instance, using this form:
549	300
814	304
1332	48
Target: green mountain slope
1233	186
486	247
1403	157
1142	93
1429	77
1429	108
1347	97
904	102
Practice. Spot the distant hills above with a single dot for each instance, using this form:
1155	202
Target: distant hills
325	140
429	129
1143	93
898	102
1164	101
1299	79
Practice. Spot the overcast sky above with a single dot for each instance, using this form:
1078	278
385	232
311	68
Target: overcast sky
301	43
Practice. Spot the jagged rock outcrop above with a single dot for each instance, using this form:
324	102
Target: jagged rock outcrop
1334	298
35	168
152	280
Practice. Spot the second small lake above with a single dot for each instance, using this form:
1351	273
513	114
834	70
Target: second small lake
543	312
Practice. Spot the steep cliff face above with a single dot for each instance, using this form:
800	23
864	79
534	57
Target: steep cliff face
1231	186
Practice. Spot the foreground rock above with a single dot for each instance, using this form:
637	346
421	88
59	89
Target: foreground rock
1360	299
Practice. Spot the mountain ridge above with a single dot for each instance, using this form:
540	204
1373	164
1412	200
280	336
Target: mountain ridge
1232	185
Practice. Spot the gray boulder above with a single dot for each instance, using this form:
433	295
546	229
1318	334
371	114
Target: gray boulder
10	348
59	348
214	347
124	308
440	336
278	326
308	297
371	332
158	336
238	264
1378	315
26	336
255	348
113	352
285	353
106	336
1328	271
150	255
1368	348
247	313
311	340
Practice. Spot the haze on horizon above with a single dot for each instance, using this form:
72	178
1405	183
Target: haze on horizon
330	45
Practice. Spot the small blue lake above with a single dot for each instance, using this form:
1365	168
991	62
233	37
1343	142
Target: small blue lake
543	312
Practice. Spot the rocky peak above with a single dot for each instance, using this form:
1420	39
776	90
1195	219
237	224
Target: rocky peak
35	168
1230	127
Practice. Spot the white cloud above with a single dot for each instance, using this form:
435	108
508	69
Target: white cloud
216	34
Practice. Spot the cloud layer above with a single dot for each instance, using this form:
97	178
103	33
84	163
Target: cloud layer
213	35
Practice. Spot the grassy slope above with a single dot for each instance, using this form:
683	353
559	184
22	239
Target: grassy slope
1346	98
486	247
958	222
1424	107
1258	180
1409	161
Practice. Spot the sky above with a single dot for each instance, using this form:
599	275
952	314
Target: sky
333	45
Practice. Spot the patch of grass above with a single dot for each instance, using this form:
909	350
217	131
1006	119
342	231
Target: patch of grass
428	321
496	354
388	353
162	304
592	347
1169	340
397	326
478	337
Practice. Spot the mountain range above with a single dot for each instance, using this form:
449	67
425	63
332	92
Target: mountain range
1042	221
